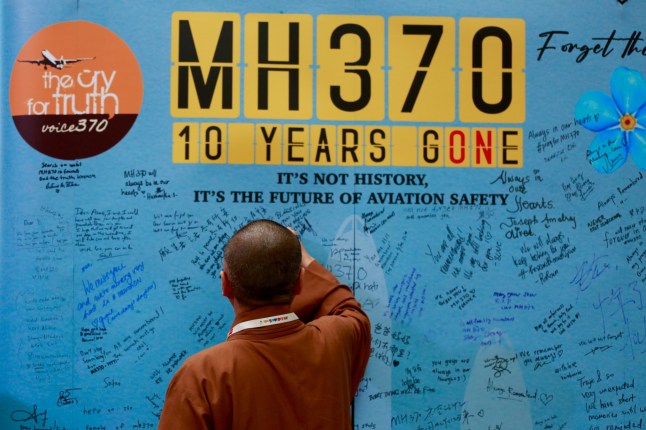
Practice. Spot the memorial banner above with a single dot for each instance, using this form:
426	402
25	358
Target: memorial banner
473	170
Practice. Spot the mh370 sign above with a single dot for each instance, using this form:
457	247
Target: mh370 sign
347	90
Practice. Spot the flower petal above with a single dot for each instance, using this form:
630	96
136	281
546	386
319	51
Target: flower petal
637	148
608	151
640	116
596	111
628	88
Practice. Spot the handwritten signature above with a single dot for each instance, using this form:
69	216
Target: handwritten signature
65	397
499	366
24	416
602	348
588	271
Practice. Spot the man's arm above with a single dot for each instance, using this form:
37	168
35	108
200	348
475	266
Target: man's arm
322	295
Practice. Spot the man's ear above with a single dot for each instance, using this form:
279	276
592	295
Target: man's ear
227	291
298	287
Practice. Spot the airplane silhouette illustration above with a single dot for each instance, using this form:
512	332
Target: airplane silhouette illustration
49	60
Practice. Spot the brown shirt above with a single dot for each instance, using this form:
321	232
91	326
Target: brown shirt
299	375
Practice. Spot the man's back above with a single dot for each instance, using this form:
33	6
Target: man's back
284	376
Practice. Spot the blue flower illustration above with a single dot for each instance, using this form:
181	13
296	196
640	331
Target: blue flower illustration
619	121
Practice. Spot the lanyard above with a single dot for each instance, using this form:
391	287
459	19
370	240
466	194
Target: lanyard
263	322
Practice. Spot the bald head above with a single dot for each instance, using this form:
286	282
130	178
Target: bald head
262	262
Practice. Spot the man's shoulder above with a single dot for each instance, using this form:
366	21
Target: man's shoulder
209	357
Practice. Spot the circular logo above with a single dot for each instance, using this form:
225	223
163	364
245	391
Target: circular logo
75	90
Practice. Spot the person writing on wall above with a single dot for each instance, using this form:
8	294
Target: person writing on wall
295	354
